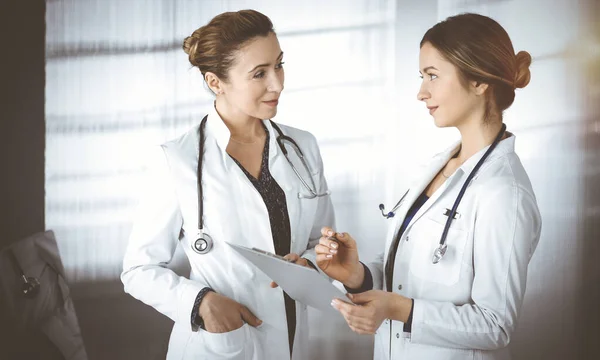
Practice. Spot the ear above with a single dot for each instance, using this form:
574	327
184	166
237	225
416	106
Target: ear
214	83
479	88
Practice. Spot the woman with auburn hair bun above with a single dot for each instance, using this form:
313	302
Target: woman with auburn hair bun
237	178
450	281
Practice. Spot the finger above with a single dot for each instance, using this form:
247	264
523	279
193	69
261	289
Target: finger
329	242
291	257
344	238
323	258
303	262
363	298
362	331
341	306
359	325
249	317
360	319
326	230
274	284
323	253
322	249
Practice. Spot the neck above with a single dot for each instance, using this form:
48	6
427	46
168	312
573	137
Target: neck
240	125
477	136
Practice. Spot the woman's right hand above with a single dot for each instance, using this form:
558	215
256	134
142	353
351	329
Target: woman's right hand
337	256
222	314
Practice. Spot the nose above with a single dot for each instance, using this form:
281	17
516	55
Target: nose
423	93
276	82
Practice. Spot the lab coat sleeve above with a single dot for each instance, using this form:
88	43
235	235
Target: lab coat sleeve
324	216
152	243
376	266
376	269
506	232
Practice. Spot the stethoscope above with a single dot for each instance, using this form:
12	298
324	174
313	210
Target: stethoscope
204	242
440	251
30	286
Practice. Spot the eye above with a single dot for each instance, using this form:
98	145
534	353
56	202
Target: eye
259	75
432	76
280	65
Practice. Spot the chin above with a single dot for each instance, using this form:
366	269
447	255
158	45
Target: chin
441	122
269	114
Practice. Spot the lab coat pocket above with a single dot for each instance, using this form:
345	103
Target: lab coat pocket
426	239
234	344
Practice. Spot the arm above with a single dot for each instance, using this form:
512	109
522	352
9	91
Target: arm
151	246
507	229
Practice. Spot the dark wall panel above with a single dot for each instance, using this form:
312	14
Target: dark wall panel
22	129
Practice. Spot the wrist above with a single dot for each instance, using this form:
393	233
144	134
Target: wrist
357	277
205	307
400	307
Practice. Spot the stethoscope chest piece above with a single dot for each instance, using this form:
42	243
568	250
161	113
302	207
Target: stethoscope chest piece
203	244
439	253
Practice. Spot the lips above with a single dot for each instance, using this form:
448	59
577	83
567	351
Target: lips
432	109
272	102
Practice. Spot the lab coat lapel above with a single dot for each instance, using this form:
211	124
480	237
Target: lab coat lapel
434	169
282	173
415	190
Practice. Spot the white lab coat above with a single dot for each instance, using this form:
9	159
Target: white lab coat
467	305
234	212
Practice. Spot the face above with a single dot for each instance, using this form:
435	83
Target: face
449	101
255	79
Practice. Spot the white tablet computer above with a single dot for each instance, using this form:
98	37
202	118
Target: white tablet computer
301	283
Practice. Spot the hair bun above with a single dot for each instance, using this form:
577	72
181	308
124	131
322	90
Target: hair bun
189	44
522	73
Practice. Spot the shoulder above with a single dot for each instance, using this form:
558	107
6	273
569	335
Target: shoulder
190	136
300	136
306	140
505	173
183	147
505	186
307	144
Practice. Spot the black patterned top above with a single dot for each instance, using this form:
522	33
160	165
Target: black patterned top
276	204
274	199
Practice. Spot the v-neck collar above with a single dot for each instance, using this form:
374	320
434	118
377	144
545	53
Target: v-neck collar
264	164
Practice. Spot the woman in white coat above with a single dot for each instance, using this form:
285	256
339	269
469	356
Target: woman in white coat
460	299
247	194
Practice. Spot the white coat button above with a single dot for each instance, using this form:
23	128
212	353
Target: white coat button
399	286
397	336
407	238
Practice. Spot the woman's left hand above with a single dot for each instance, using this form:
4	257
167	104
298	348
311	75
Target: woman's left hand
296	259
370	308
